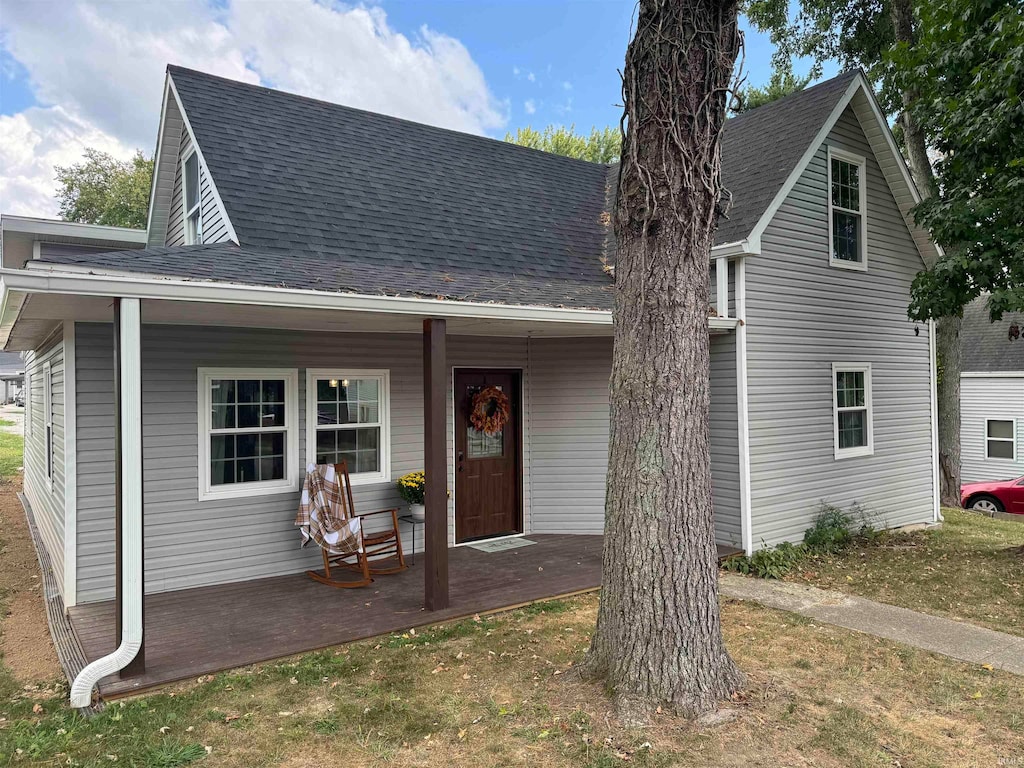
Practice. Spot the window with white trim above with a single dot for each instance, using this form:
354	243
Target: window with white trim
1000	439
851	405
192	200
48	418
847	210
347	418
248	442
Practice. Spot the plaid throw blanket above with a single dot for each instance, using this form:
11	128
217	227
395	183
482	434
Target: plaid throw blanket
324	514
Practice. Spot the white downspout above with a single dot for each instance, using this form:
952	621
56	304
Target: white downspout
742	408
131	510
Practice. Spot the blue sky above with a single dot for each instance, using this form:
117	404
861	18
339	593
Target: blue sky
89	73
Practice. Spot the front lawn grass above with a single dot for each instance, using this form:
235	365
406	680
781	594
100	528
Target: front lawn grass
500	691
12	449
972	568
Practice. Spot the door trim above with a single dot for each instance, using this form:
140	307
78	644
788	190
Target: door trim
520	371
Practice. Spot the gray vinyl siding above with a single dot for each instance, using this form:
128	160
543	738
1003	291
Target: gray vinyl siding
803	316
215	228
983	398
47	499
569	421
192	543
725	453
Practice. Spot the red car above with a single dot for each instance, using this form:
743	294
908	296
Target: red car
998	496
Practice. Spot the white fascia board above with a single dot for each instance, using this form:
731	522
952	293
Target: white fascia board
156	158
992	374
82	283
747	247
202	159
810	152
43	228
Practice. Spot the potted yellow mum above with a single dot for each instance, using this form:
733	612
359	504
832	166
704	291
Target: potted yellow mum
411	488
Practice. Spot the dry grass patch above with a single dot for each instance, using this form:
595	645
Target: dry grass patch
501	691
970	569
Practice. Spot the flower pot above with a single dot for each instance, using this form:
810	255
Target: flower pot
417	511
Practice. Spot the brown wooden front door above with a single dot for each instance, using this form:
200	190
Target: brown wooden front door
488	487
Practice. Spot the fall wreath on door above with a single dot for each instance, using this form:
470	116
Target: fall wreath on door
490	410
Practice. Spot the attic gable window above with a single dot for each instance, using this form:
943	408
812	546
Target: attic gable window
847	210
193	214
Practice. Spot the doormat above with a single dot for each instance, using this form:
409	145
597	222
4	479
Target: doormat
501	545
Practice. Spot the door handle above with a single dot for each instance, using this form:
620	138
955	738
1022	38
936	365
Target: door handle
461	457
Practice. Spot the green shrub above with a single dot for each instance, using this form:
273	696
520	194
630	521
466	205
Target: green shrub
768	562
833	531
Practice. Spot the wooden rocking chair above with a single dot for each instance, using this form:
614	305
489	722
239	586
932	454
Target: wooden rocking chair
381	551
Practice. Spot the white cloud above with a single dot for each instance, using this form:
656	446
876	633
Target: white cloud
32	144
567	85
531	77
97	71
515	71
530	106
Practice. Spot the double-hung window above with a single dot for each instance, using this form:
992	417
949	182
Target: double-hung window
847	210
248	431
1000	442
193	200
48	419
851	406
347	418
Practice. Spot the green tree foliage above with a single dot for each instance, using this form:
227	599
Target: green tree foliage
782	83
104	190
601	146
967	69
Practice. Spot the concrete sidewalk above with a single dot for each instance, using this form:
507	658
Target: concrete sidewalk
956	639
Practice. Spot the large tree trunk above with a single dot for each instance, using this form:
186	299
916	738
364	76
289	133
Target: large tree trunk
947	329
658	640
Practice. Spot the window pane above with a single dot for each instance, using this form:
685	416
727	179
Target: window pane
273	391
246	470
223	417
222	390
222	472
327	413
248	390
191	181
1003	429
850	389
853	429
222	447
367	389
480	445
845	236
247	445
348	413
272	468
272	444
325	442
1000	449
249	416
272	416
324	391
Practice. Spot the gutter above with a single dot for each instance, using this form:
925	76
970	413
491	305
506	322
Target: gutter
131	510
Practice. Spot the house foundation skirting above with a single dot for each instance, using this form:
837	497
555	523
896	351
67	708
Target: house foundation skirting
69	651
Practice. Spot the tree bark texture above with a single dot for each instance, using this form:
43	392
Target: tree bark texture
947	329
658	640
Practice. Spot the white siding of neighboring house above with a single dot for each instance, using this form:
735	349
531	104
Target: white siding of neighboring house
803	316
983	398
192	543
46	497
214	226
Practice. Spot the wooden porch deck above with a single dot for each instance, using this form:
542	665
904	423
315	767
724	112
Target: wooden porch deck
198	631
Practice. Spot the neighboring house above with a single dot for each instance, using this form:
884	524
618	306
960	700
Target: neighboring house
991	395
303	257
12	375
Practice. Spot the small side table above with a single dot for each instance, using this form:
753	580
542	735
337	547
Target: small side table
413	522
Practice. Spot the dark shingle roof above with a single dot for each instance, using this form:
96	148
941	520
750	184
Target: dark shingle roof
328	197
987	346
306	270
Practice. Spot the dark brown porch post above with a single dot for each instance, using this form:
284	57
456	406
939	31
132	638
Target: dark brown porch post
435	454
136	666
